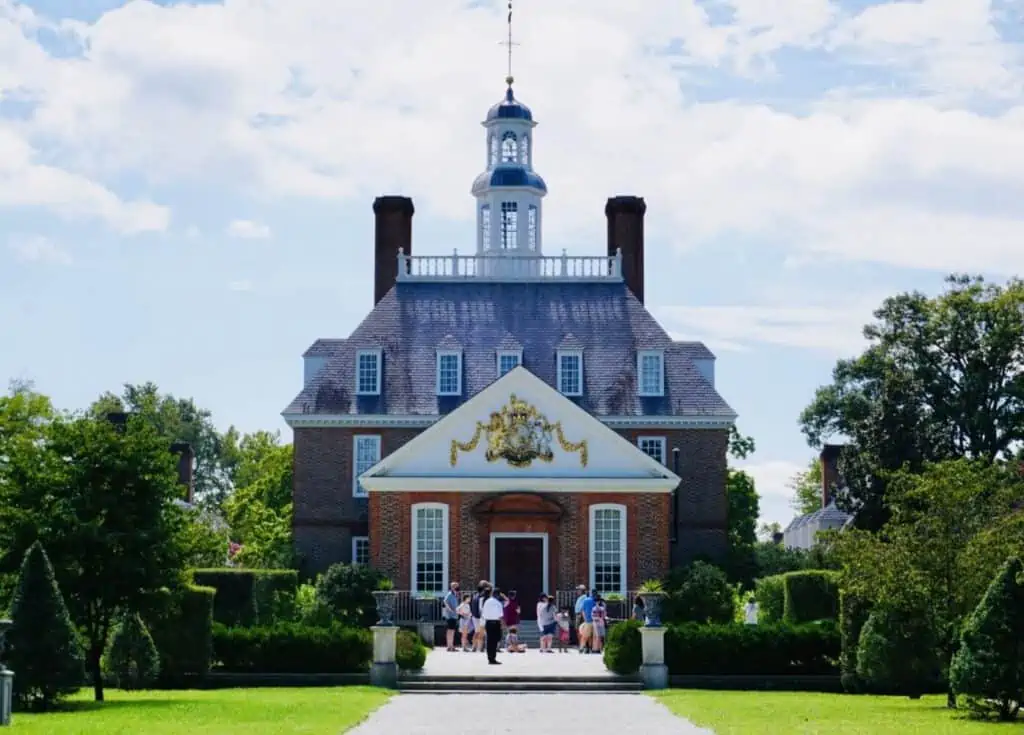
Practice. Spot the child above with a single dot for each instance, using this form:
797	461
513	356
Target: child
600	616
465	621
562	618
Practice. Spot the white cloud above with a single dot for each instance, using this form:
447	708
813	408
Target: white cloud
248	230
240	286
771	478
38	249
835	331
339	98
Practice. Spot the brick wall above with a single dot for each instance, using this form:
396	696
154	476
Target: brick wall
327	516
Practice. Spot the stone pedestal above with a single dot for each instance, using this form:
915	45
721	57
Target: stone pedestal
426	631
653	669
6	692
384	669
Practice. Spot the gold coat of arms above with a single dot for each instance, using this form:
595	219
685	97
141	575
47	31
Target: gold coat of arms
519	434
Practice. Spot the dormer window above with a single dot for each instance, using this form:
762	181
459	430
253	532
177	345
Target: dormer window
650	370
449	373
509	147
570	372
508	360
368	372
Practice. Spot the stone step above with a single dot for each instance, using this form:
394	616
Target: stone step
542	678
522	684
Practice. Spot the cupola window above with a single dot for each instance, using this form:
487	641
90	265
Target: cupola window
494	151
509	147
524	149
485	225
509	224
531	226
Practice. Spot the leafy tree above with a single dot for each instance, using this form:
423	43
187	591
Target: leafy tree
178	420
806	487
743	510
897	652
937	552
699	593
346	590
261	462
204	539
768	532
989	666
133	658
942	378
104	507
44	649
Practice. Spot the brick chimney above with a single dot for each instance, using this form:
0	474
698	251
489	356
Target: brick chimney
392	231
626	231
829	471
186	474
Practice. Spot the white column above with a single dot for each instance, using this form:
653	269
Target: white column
653	671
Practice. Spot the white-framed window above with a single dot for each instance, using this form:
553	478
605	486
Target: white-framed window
429	547
361	550
365	454
608	548
653	447
650	370
492	159
509	147
570	372
508	360
524	149
368	372
485	225
531	226
449	373
509	224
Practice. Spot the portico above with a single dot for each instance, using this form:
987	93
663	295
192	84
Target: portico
521	486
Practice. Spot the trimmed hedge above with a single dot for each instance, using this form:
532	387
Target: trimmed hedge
811	595
768	650
770	593
623	648
181	624
246	596
291	648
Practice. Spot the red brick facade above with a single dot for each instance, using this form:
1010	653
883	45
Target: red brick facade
327	516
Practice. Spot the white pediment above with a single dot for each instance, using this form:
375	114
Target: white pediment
519	434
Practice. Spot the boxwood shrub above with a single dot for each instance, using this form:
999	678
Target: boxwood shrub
623	648
292	648
767	650
770	593
853	614
410	651
811	595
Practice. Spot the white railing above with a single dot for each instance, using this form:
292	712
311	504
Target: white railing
476	268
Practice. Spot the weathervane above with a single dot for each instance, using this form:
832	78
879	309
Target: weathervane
510	43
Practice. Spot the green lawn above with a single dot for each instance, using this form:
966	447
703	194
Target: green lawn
323	711
803	713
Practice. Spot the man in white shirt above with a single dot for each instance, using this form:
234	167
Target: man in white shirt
492	610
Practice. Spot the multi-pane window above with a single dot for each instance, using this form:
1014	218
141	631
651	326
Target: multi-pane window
365	454
360	549
507	360
509	224
493	158
653	447
524	149
608	549
485	225
429	547
449	373
650	369
509	147
531	226
570	373
368	372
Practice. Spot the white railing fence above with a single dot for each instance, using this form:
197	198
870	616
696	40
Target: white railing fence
457	267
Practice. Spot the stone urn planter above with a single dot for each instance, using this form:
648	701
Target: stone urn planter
386	600
425	607
652	608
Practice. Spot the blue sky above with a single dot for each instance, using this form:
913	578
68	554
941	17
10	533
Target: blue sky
185	190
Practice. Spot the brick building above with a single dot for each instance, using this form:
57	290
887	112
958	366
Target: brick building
509	415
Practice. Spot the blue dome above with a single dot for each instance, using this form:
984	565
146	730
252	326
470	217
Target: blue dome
509	174
509	109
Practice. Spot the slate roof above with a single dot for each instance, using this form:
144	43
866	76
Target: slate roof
604	319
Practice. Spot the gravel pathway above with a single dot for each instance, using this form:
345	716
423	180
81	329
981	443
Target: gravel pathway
529	714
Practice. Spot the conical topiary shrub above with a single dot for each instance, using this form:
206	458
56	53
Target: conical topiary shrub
44	651
989	666
132	658
898	653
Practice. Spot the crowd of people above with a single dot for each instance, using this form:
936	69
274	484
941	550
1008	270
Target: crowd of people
490	620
